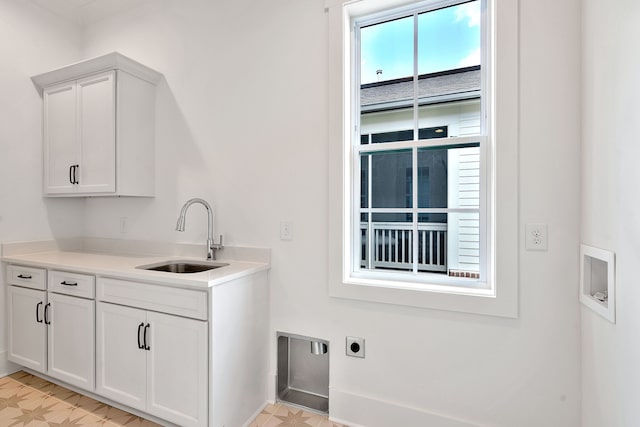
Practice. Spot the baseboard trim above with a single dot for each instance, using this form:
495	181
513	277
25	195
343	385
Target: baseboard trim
255	415
272	385
363	411
6	367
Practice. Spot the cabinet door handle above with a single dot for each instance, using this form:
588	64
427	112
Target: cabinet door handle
46	312
71	174
38	319
140	345
146	345
22	276
69	283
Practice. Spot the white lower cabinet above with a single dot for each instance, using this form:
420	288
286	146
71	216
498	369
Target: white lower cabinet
153	362
27	332
71	340
52	334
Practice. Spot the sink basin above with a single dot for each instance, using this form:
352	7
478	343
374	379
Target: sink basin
183	266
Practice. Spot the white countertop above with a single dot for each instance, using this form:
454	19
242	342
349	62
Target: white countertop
124	267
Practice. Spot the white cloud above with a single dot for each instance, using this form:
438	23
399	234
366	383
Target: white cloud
469	12
472	59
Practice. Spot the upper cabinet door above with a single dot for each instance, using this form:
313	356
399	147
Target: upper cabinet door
60	137
97	134
99	128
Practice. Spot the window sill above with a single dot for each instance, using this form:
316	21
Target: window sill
481	300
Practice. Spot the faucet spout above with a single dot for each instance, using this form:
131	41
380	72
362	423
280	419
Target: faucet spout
211	246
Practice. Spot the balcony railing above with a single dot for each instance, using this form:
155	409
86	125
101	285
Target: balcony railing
392	246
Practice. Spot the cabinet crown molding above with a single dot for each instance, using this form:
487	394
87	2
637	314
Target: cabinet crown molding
110	61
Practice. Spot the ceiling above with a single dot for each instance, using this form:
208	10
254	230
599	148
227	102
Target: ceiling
84	12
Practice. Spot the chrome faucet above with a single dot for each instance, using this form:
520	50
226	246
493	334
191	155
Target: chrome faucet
211	245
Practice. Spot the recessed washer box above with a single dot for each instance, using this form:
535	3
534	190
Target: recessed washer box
303	372
597	281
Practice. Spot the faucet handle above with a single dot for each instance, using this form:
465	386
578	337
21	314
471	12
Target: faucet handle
217	246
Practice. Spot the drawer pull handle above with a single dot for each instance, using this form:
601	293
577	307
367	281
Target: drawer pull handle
140	345
46	312
69	283
38	319
146	346
24	276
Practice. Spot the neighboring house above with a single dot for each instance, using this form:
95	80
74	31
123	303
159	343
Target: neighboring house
448	105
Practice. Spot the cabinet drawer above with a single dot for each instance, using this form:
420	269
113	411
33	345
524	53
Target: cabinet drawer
29	277
165	299
80	285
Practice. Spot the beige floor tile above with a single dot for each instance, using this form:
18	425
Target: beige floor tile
282	410
316	420
28	401
34	382
90	420
110	413
14	396
33	423
6	380
89	404
58	416
261	419
271	409
274	422
9	413
293	418
130	421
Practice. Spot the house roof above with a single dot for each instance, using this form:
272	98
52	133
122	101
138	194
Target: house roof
450	85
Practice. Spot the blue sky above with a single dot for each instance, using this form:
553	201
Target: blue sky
447	38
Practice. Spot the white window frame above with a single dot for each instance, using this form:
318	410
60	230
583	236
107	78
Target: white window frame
414	279
497	293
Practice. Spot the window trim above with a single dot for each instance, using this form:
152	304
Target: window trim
503	129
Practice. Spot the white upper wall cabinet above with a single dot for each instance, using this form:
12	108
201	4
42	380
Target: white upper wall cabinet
98	128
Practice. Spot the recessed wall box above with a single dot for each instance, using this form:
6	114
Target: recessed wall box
303	372
597	281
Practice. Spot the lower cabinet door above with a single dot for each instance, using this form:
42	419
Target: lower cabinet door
120	354
27	331
71	340
177	380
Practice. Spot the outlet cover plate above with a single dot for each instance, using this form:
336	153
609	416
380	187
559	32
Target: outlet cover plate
536	237
355	347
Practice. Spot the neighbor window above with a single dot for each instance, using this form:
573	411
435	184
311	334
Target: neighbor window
417	151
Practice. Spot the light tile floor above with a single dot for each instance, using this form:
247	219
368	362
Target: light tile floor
280	415
29	401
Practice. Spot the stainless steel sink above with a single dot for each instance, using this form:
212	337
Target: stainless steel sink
182	267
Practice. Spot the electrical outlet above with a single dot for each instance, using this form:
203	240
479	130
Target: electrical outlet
536	237
355	347
286	230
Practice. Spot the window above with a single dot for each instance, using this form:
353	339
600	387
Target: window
418	119
420	136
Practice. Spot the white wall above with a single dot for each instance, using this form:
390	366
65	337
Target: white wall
610	207
31	41
242	122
